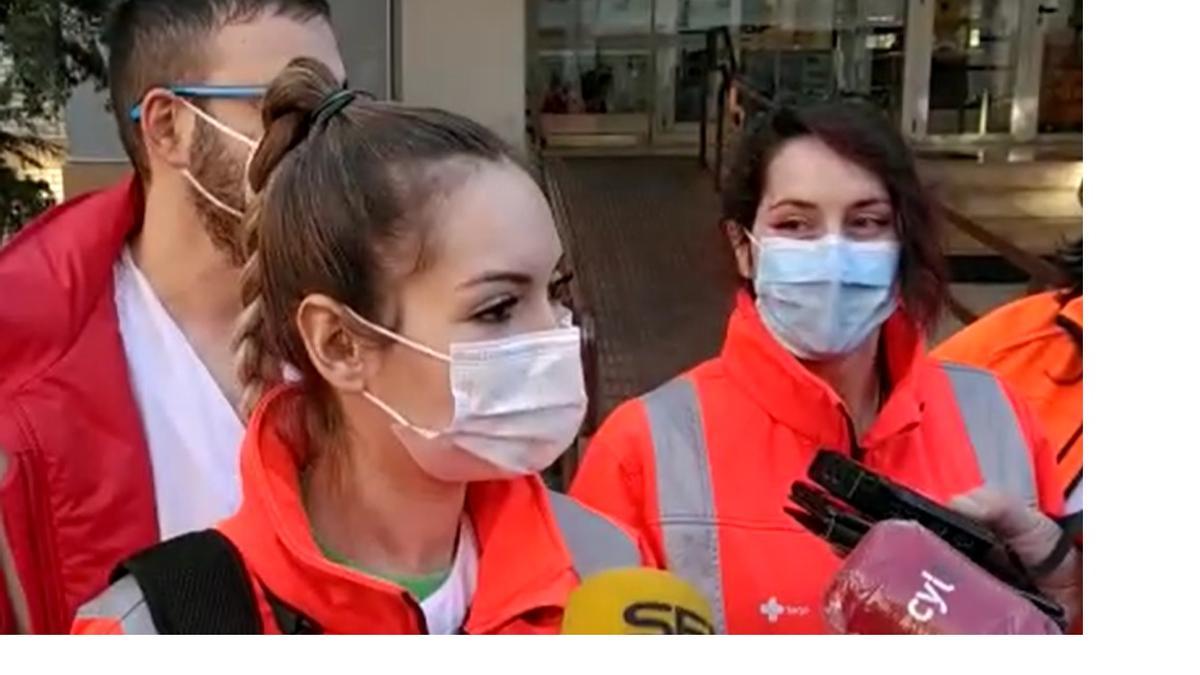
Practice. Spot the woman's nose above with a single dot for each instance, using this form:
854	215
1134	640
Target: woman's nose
548	316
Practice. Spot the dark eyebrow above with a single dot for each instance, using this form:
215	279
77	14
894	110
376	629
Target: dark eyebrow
494	277
802	204
798	203
871	201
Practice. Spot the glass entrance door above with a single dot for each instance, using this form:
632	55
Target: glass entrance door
1060	96
633	72
682	64
998	71
802	50
971	84
592	76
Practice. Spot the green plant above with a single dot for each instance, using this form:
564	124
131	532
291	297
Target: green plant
47	48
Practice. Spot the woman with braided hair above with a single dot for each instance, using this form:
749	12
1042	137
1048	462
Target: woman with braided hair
408	370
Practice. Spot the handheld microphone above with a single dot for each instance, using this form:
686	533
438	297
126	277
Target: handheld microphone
903	579
636	601
858	498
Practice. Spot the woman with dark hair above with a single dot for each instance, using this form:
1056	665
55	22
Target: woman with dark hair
409	369
1036	345
838	247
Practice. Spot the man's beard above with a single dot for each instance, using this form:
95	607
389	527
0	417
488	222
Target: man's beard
221	173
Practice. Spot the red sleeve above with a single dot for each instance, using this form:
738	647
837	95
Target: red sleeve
613	477
1050	497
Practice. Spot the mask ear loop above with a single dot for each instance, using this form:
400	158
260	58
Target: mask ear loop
230	131
427	434
236	135
396	337
212	199
396	417
755	258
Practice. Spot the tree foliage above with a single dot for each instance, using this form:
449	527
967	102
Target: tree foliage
47	48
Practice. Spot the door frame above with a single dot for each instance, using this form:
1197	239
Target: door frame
1027	82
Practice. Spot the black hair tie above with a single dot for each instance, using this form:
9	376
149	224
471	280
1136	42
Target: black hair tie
332	105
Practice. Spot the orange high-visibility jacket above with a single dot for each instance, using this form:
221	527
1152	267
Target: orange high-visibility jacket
702	466
1036	345
530	553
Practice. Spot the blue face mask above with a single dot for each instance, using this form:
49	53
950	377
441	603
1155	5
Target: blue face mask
821	298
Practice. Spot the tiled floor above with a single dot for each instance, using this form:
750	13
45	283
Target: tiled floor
652	263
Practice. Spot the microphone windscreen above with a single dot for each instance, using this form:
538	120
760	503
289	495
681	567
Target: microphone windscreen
903	579
636	601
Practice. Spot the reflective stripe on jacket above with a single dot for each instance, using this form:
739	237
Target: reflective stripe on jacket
703	465
1035	344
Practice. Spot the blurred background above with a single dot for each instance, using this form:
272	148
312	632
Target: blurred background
631	108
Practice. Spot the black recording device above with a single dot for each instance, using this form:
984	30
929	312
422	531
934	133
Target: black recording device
857	498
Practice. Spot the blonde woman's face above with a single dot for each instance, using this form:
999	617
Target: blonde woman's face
494	271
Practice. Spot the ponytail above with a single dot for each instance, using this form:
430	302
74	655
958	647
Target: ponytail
294	104
343	194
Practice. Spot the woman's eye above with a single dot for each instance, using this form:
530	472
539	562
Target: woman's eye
797	227
559	291
870	224
498	312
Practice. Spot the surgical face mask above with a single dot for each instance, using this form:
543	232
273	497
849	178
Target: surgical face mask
235	135
821	298
518	404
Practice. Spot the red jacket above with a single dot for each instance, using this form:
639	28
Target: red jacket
76	493
525	569
762	418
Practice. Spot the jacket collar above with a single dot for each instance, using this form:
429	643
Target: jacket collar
1073	311
64	259
90	231
794	396
523	565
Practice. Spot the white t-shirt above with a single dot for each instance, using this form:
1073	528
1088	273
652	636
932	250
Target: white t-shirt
447	607
191	429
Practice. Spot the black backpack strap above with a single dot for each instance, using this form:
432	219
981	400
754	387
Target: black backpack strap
195	584
289	620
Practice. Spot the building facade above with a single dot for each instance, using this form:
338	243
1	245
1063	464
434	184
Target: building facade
637	76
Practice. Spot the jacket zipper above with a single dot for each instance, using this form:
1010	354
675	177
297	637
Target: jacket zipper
14	591
856	451
51	584
41	533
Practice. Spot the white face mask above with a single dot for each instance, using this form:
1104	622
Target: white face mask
518	404
235	135
821	298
